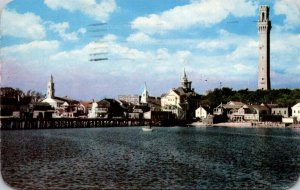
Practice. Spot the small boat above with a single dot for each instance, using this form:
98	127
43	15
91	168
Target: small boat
147	128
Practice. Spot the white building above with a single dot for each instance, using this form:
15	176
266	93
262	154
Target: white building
201	112
94	112
145	95
51	99
171	102
182	101
296	111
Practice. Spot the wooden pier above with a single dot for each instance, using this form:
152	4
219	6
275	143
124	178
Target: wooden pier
55	123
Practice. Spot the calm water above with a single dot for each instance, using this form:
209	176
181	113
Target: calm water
168	158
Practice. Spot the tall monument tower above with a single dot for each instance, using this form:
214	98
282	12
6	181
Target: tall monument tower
264	28
50	90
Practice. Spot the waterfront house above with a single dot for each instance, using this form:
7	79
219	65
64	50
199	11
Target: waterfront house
296	111
131	99
159	117
43	110
138	111
174	102
230	109
182	101
8	106
202	112
250	113
110	108
284	112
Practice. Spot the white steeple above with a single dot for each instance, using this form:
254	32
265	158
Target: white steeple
51	90
145	95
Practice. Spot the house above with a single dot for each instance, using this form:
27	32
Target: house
131	99
159	117
250	113
182	101
175	103
296	111
229	109
8	106
43	110
109	108
284	112
9	100
138	111
202	112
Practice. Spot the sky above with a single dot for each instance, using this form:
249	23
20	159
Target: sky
104	48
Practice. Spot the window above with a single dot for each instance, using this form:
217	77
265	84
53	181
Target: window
284	112
262	79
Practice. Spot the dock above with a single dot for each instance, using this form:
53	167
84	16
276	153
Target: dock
56	123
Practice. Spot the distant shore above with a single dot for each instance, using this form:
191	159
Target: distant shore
246	125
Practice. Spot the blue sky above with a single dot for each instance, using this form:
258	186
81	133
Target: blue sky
148	41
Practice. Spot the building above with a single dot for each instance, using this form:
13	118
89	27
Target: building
202	112
296	111
132	99
51	99
250	113
264	28
109	108
182	101
63	106
228	109
145	95
284	112
138	111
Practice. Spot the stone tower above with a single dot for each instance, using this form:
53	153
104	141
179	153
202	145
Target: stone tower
264	28
184	81
50	90
145	95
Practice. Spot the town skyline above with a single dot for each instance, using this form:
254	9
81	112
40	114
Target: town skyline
144	43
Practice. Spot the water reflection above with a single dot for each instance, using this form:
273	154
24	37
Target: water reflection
173	158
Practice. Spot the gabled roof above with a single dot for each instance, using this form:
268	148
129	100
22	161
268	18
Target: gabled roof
233	105
257	107
296	105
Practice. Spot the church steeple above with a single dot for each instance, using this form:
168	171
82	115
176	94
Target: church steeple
145	95
185	83
50	89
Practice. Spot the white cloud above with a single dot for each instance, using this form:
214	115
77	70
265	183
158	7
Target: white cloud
3	3
27	25
204	12
291	10
98	11
61	28
32	47
139	37
35	51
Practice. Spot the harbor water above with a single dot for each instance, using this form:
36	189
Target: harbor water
166	158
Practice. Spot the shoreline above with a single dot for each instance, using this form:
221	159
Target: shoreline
245	125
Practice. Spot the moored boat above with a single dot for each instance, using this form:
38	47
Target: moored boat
147	128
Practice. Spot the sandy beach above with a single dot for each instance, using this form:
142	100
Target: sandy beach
246	124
